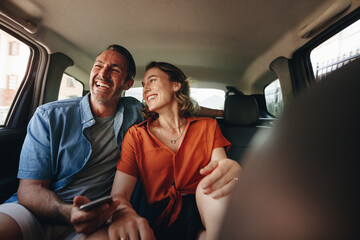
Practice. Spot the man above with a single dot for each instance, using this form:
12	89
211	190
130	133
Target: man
71	149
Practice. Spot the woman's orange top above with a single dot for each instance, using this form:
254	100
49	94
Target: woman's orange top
165	174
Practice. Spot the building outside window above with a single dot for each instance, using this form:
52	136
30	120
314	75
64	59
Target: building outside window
12	82
14	59
336	52
14	48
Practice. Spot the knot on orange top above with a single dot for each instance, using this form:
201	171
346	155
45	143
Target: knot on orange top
173	208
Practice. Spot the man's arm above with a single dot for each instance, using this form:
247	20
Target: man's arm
209	112
35	195
35	154
45	204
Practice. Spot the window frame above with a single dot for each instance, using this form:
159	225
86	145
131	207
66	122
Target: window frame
23	102
300	66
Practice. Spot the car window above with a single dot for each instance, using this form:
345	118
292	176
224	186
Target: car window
14	60
135	92
70	87
209	97
273	98
336	52
206	97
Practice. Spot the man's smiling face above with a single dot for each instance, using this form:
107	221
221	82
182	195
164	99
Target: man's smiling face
108	78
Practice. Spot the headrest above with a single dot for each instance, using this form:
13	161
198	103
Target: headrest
241	110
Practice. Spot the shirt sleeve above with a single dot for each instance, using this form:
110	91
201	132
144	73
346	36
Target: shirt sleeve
127	162
35	157
219	139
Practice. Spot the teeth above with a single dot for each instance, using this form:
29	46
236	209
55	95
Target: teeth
102	85
151	97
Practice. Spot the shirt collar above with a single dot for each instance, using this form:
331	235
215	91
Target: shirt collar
88	117
85	109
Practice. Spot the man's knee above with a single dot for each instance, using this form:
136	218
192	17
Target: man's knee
19	222
9	229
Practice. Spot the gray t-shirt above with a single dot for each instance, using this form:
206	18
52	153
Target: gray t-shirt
96	178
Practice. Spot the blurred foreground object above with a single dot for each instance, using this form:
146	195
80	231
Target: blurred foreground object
304	182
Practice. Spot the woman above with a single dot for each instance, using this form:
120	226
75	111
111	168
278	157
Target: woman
166	152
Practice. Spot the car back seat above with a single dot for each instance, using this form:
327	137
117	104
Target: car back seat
240	123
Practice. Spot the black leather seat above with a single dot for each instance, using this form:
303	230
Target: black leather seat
241	116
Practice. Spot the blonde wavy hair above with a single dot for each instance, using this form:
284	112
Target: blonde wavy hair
187	106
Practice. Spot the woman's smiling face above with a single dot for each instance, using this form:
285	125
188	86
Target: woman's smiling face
158	90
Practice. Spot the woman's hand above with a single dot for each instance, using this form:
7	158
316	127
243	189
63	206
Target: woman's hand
221	177
127	224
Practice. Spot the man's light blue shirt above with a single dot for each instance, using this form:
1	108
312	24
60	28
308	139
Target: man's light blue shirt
57	145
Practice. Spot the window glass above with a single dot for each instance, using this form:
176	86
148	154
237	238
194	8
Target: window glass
336	51
135	92
70	87
206	97
273	98
14	58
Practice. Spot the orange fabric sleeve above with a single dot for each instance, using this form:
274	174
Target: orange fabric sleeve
127	162
220	140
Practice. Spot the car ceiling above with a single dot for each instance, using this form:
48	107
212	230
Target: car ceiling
228	42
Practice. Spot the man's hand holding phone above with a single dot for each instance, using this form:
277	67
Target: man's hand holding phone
96	203
86	216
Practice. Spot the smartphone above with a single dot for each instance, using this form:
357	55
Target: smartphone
96	203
